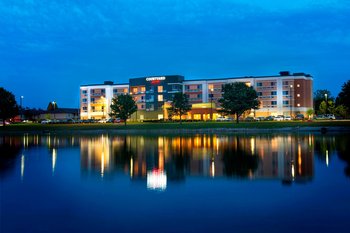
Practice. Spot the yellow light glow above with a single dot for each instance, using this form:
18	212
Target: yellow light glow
131	167
212	169
252	145
327	158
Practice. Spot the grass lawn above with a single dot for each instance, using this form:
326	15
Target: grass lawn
28	127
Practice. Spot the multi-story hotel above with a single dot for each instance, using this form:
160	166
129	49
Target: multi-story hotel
285	94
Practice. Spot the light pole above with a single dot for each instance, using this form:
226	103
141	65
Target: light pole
21	106
54	107
211	103
325	96
290	104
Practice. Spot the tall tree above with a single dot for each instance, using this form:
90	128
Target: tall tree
123	106
344	96
179	105
52	106
238	98
8	105
326	107
319	97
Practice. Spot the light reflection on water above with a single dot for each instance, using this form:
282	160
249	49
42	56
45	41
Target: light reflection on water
287	158
219	183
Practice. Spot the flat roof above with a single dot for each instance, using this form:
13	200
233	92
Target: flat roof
208	79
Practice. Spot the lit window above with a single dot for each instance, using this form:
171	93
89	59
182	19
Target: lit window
143	89
210	86
160	88
125	90
248	84
160	97
134	90
298	95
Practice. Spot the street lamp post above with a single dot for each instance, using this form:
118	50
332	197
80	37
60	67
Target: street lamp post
325	96
21	107
211	103
54	107
290	104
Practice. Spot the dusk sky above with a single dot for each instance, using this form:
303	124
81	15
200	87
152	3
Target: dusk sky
49	48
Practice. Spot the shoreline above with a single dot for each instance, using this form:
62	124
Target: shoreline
282	130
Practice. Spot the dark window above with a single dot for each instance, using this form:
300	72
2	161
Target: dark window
259	93
92	99
273	102
273	92
259	84
285	92
273	83
285	102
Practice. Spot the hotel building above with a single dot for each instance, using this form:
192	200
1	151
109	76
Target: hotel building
285	94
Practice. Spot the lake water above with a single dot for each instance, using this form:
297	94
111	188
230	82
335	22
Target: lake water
201	183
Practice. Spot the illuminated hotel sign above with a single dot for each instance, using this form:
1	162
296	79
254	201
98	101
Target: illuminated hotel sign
155	78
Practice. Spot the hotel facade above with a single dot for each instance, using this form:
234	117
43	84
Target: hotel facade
285	94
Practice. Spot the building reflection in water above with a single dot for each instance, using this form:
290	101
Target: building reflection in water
160	159
288	158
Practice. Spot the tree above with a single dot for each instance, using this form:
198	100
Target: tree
319	96
344	96
123	106
52	106
309	112
238	98
179	105
326	107
8	105
341	110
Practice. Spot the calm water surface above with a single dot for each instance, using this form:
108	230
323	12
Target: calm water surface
203	183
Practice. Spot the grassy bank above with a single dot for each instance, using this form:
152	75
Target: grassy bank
145	127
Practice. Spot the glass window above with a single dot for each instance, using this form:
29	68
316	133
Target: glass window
84	100
160	97
134	90
285	92
259	84
143	89
160	88
259	93
285	102
273	92
273	102
273	83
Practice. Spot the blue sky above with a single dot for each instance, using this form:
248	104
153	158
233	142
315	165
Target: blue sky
49	48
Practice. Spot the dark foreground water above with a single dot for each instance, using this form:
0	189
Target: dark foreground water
239	183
